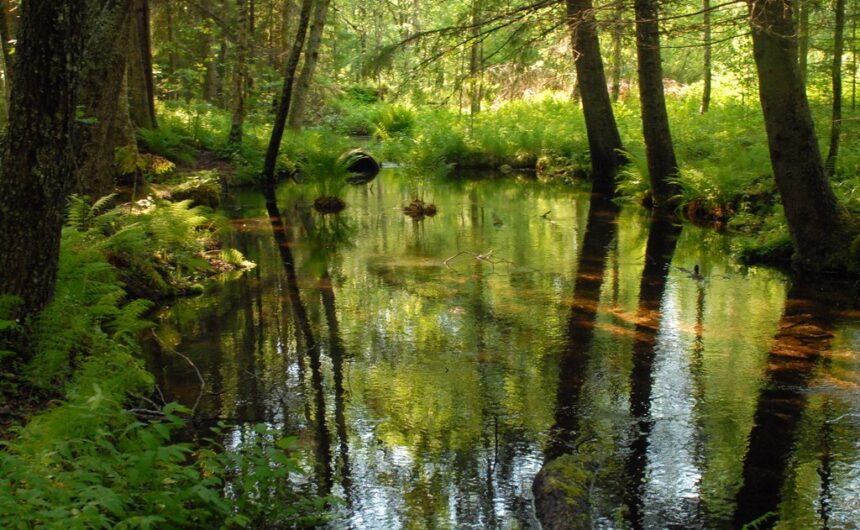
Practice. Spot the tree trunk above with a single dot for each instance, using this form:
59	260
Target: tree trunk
617	33
286	97
836	74
101	78
604	142
312	54
810	206
211	81
7	35
141	87
38	155
240	75
803	37
706	88
171	45
475	61
655	121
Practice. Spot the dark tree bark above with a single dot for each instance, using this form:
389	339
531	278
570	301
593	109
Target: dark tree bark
240	75
102	75
706	88
38	155
141	87
813	215
660	152
836	75
312	54
286	96
604	142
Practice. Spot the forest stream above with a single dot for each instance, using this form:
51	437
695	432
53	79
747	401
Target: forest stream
433	369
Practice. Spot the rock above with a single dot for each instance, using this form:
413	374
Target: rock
363	167
561	495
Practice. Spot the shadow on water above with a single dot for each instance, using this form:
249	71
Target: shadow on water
662	240
283	238
555	508
804	334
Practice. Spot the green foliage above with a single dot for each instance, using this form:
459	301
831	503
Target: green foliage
634	179
168	142
124	473
259	483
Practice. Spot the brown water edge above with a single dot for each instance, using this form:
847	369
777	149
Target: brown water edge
437	390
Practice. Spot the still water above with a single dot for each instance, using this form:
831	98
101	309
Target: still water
433	369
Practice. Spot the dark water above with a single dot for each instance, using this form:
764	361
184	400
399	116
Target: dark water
432	369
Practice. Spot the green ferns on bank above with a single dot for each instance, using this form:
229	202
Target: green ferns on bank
87	461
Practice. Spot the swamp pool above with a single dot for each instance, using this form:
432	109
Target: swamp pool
433	369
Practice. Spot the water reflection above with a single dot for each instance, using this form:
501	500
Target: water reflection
430	393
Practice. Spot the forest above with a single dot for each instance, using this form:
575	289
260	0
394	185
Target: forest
429	264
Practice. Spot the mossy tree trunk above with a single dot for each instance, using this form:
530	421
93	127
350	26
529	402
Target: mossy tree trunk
286	96
662	165
312	55
814	218
38	154
604	142
141	86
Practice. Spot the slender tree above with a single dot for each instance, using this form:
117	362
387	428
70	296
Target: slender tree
286	96
240	74
617	34
312	54
604	141
706	37
803	37
836	76
475	61
38	155
814	219
660	152
8	24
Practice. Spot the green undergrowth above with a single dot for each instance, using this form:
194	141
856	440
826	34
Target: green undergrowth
87	460
725	177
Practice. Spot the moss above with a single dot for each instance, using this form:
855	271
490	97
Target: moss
202	190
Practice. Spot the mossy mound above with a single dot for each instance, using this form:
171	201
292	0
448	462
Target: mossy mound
202	190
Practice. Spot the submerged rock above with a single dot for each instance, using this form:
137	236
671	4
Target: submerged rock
362	166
